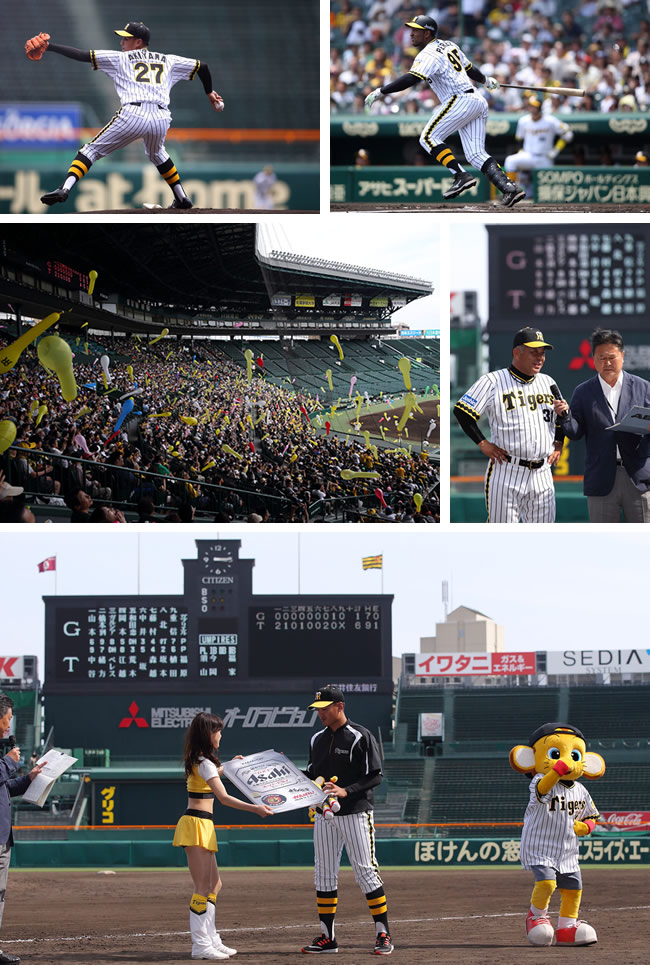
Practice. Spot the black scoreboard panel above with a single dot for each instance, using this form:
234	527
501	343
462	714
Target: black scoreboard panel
58	272
141	644
302	637
553	276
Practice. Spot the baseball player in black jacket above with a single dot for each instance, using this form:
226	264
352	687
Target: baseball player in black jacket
349	753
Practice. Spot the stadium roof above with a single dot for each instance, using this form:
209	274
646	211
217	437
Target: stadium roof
196	269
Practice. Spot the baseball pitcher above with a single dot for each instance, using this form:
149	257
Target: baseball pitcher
143	80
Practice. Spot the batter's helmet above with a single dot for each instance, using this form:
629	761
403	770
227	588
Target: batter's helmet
423	23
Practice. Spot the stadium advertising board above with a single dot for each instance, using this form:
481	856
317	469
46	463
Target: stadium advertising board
597	661
565	276
39	126
473	664
431	725
11	669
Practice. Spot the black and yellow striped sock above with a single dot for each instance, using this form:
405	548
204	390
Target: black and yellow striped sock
326	902
378	909
198	904
79	167
168	172
444	156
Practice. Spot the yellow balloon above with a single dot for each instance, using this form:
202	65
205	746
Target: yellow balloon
86	409
33	407
209	465
328	376
189	420
10	355
231	452
417	499
54	353
409	402
7	433
42	411
404	366
336	342
164	332
129	370
248	355
351	474
92	275
366	436
159	415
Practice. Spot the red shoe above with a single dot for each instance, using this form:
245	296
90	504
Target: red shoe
539	931
579	934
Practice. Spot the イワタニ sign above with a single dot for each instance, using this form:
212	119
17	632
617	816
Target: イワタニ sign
271	778
473	664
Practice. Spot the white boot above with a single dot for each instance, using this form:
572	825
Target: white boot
214	934
202	945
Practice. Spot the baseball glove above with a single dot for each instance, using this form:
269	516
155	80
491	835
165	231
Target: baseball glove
36	46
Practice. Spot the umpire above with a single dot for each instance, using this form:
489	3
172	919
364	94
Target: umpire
349	754
10	786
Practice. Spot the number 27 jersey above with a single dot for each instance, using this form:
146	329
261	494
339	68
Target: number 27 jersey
143	75
443	65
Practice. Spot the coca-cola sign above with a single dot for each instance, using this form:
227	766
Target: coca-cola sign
626	819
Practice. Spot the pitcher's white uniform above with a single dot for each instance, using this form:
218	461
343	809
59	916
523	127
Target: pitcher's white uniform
548	837
143	80
538	139
522	421
443	66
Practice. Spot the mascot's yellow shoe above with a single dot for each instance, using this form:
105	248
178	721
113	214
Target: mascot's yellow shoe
579	934
539	931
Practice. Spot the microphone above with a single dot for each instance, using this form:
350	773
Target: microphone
558	395
12	742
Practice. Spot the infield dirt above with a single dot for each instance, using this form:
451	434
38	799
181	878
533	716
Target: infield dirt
448	916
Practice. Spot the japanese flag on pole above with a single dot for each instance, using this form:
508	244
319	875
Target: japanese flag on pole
48	564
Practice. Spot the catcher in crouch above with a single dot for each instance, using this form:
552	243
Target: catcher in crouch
143	80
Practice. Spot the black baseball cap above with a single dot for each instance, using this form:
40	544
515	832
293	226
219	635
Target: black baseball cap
136	30
547	729
532	337
327	695
423	23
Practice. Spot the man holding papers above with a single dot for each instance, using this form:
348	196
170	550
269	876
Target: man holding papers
10	786
617	463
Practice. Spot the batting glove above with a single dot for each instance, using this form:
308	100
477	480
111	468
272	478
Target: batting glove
492	83
371	98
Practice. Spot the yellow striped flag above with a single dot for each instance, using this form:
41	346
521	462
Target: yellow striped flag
372	562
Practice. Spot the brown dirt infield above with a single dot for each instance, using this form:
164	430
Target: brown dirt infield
450	916
491	207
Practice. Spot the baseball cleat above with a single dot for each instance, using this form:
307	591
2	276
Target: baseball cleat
579	934
210	954
55	197
383	944
219	945
462	182
183	203
510	197
322	944
539	931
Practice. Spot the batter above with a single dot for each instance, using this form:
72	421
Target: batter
526	438
350	752
143	80
448	72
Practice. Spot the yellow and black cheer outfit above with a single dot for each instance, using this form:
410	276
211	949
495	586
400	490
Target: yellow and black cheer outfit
196	828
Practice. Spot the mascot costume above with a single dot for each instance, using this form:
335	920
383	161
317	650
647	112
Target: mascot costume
559	812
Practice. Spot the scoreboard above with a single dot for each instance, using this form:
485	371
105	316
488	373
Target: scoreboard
551	276
217	636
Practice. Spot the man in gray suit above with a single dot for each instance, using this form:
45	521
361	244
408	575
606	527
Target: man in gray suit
10	786
617	464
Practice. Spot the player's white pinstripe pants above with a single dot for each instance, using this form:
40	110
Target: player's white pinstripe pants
514	493
357	833
465	113
131	123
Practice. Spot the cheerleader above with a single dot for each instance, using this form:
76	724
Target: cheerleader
195	831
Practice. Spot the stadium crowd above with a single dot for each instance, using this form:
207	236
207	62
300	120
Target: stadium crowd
196	420
598	45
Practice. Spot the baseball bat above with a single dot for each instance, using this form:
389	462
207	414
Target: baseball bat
570	91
